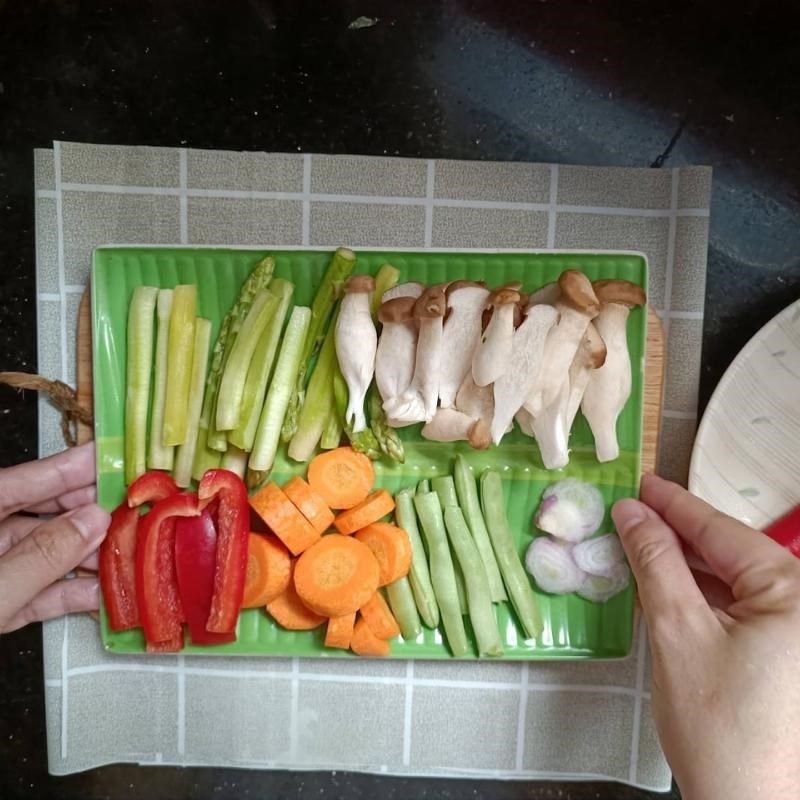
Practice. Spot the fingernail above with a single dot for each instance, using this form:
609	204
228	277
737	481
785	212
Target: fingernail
91	522
627	513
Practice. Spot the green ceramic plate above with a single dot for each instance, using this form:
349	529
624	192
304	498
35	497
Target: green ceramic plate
573	628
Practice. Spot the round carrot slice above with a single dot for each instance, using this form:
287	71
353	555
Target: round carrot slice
336	576
289	611
269	568
391	547
342	477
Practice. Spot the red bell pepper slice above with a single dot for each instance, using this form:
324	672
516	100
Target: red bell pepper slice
151	487
195	564
233	528
786	531
156	583
117	569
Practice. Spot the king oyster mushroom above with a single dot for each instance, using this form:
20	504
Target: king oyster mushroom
610	385
466	301
493	351
475	401
551	431
397	347
356	343
591	355
449	425
408	289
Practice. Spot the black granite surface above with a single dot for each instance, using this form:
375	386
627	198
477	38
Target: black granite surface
645	83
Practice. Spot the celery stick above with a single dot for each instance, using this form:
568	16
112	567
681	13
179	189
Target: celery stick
401	601
185	454
255	387
328	293
204	457
235	460
317	404
179	363
387	277
269	427
332	432
234	376
159	456
137	394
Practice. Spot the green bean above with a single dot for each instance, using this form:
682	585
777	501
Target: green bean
470	505
461	587
479	599
401	601
446	489
442	572
424	486
516	580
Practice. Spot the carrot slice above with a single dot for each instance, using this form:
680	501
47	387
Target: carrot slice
342	477
380	619
289	611
391	547
269	568
311	505
366	643
377	505
336	576
283	519
340	631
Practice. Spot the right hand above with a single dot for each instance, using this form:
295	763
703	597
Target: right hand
725	646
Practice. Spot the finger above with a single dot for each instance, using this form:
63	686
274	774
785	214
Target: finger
716	592
62	597
665	583
36	481
66	502
91	562
47	554
725	544
15	529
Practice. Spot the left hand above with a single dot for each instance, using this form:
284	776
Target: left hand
36	554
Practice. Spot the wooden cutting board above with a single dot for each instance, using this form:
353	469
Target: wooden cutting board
653	380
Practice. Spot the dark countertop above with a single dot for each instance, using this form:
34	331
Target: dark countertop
659	83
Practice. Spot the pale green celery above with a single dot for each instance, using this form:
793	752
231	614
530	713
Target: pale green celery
479	599
204	457
159	456
179	363
387	277
280	391
363	441
235	460
515	578
255	387
329	291
401	601
387	437
234	376
332	432
185	453
137	392
443	576
470	505
419	575
317	404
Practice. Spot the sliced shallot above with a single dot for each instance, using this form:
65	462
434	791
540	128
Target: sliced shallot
598	589
552	566
570	510
599	556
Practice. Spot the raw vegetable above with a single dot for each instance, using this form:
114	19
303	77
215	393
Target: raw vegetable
550	563
424	486
598	589
283	518
179	364
445	488
468	501
516	581
278	395
159	456
342	477
418	575
388	440
204	457
461	586
336	576
401	601
786	531
379	617
386	279
570	510
150	488
442	573
255	387
340	631
232	520
452	425
377	505
479	599
492	354
139	366
600	555
397	348
310	504
269	569
195	563
332	431
235	460
391	548
289	611
185	454
363	441
365	643
117	561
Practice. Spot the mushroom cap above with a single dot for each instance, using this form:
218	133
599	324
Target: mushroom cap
594	347
408	289
623	293
431	303
401	309
545	295
577	291
505	295
456	285
359	283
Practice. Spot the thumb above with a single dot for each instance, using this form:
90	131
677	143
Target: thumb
666	586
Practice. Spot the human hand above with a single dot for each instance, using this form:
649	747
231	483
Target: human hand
35	554
725	646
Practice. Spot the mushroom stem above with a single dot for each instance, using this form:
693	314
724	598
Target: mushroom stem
429	310
397	347
493	351
449	425
551	431
591	355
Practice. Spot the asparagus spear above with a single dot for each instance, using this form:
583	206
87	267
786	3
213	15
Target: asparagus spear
255	387
179	363
517	584
158	455
329	291
363	441
387	277
332	432
387	437
401	601
139	366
